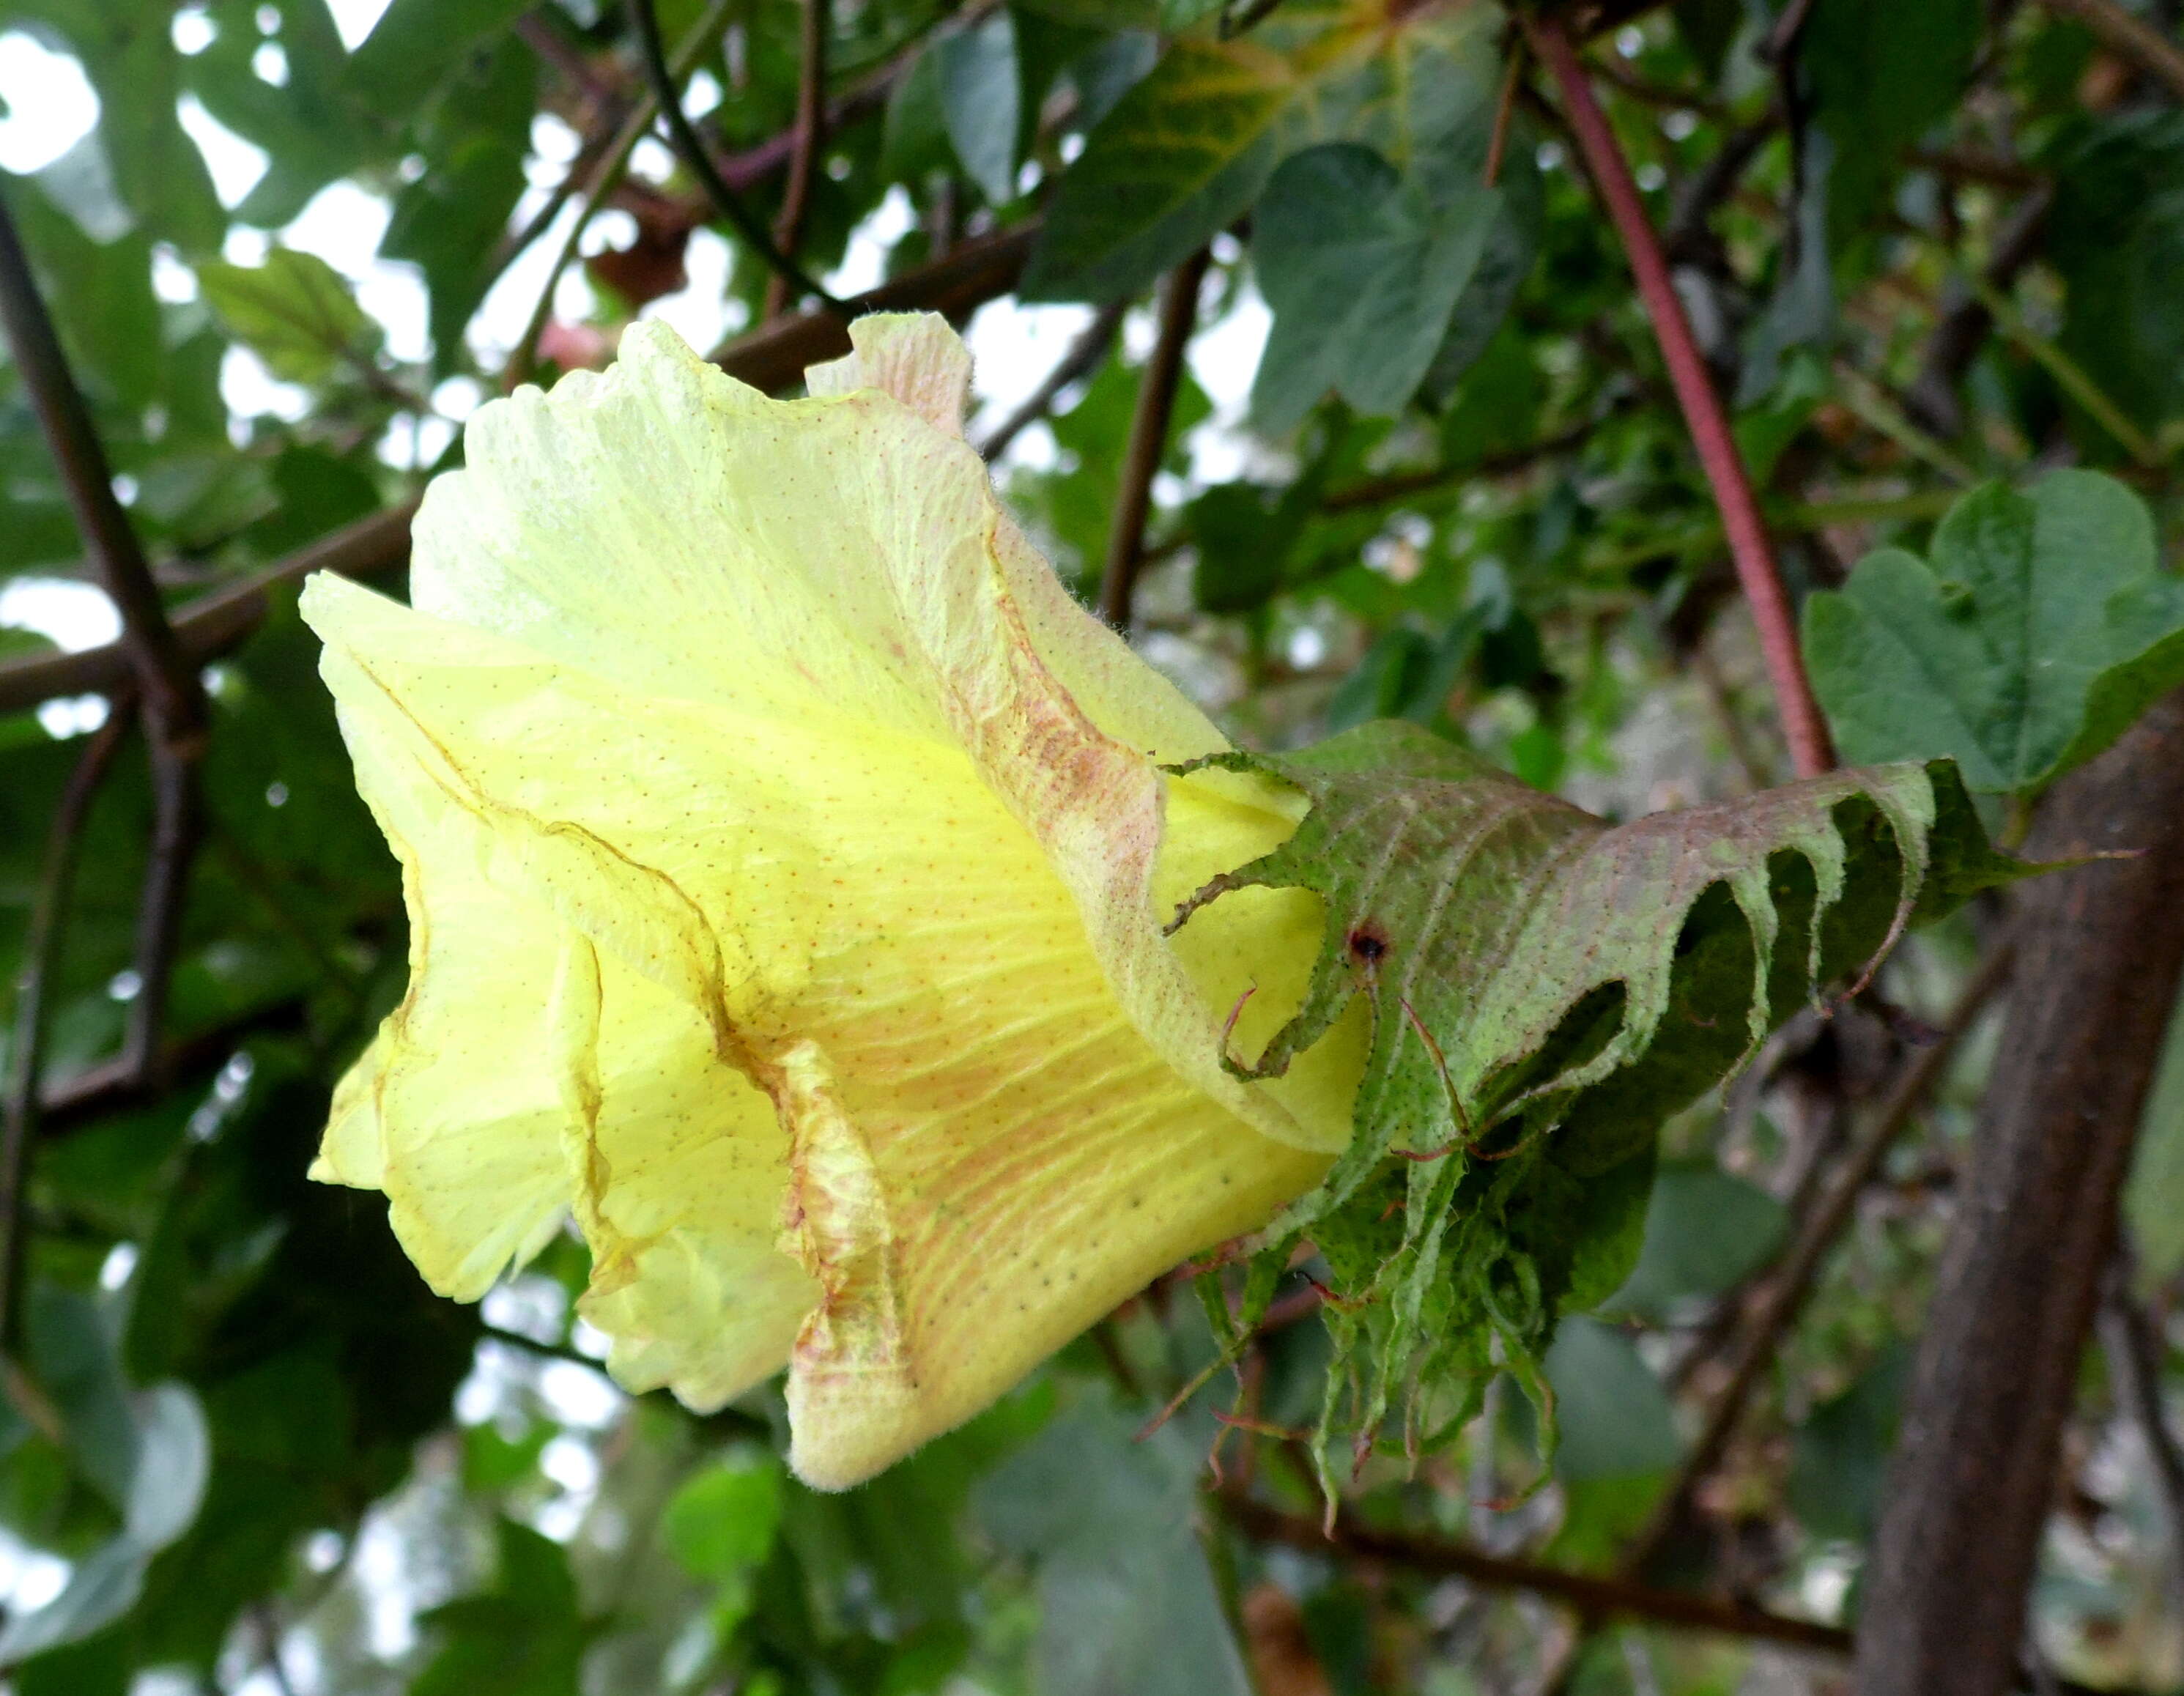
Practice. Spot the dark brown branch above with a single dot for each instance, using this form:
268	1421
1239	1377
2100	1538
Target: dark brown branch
1788	1286
1402	485
2134	1350
771	358
109	1087
172	697
1601	1598
1148	443
177	829
2130	38
2034	1226
215	623
1083	358
774	356
811	134
26	1039
697	160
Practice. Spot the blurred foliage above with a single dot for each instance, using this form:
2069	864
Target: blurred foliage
1424	466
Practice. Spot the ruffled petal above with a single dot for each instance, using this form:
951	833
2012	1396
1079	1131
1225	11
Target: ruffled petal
982	1151
676	532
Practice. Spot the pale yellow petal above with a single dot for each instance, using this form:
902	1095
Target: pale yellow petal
456	1117
508	1087
984	1151
898	353
679	1165
675	532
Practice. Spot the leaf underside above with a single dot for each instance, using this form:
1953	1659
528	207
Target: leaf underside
1545	990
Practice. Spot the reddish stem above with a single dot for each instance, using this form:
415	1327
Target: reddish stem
1802	726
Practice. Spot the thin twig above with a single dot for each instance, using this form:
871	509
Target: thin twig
1803	728
810	133
1874	407
107	1088
1083	356
1505	107
172	697
1148	444
1607	1598
1788	1287
177	827
606	173
2130	38
699	162
545	1351
26	1039
2069	375
214	623
269	1636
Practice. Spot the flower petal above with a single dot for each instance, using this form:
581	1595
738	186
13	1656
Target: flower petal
676	532
508	1087
441	1112
984	1153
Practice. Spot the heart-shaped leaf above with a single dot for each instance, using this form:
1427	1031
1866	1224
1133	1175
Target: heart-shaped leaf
1363	267
2040	629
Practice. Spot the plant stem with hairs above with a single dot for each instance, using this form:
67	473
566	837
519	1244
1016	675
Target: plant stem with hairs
1802	726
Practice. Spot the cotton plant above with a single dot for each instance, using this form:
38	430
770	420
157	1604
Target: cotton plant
890	973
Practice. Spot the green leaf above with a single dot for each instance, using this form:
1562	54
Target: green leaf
721	1521
102	301
1513	243
1839	1456
1181	154
914	133
2041	629
450	220
296	312
1126	1602
1706	1230
1189	148
1407	674
1880	74
2116	234
414	41
131	63
982	102
1616	1420
313	127
1543	991
1363	268
525	1637
1244	534
146	1450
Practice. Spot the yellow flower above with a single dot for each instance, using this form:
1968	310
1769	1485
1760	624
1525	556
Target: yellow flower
786	854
